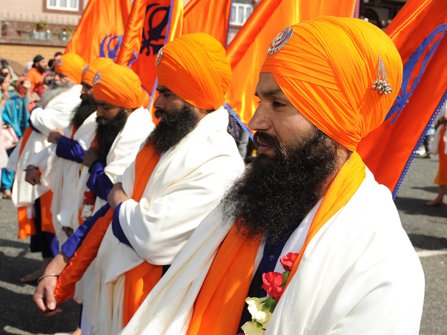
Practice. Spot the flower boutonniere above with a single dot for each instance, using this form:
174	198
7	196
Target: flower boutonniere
261	309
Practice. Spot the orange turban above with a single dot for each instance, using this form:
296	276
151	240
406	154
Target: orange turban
71	65
95	65
120	86
326	67
195	68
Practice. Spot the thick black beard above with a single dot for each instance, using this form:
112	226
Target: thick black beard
86	108
41	69
106	132
172	128
275	194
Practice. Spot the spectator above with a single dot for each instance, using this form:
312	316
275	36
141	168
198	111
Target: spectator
439	147
35	74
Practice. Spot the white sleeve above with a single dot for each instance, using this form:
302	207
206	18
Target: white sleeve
158	228
58	113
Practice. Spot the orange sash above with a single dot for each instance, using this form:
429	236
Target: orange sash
145	163
220	302
26	225
46	218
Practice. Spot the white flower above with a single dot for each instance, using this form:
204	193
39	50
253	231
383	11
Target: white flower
257	310
87	211
252	328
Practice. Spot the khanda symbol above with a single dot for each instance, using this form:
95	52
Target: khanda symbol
154	30
110	45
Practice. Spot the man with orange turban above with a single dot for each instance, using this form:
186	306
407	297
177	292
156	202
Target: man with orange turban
56	113
178	177
307	238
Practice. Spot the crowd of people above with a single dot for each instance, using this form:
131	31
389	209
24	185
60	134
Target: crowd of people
155	224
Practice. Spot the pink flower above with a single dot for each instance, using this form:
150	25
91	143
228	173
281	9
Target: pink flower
272	284
288	260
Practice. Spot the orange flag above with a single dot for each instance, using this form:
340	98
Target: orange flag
210	17
419	34
151	25
246	52
100	30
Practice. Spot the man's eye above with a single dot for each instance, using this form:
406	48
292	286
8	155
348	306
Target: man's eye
277	104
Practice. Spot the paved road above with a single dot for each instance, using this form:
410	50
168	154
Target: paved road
427	228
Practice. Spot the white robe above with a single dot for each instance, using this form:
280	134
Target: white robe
64	178
359	275
57	114
122	153
187	183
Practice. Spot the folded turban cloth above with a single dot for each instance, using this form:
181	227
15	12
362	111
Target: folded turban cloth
195	68
326	67
120	86
71	65
95	65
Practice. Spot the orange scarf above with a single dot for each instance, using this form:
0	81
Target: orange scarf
220	302
145	163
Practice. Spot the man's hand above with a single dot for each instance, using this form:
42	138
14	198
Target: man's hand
116	195
32	175
44	294
55	135
90	156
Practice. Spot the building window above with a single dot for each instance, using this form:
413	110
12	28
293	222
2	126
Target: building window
240	13
65	5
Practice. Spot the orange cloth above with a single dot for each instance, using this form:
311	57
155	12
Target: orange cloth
441	177
71	65
145	163
151	25
26	224
88	73
119	86
35	77
386	151
247	50
214	18
195	68
100	29
45	212
220	302
82	258
331	83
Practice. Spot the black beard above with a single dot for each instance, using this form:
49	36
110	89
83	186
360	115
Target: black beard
86	108
41	69
106	132
275	194
172	128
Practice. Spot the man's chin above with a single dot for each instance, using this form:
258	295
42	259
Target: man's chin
266	154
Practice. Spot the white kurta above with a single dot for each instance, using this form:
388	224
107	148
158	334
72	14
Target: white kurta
187	183
64	177
57	114
359	275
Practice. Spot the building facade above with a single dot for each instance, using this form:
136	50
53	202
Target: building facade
30	27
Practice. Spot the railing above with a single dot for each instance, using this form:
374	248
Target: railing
41	27
240	13
69	20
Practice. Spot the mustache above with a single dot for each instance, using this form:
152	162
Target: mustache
268	140
265	138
